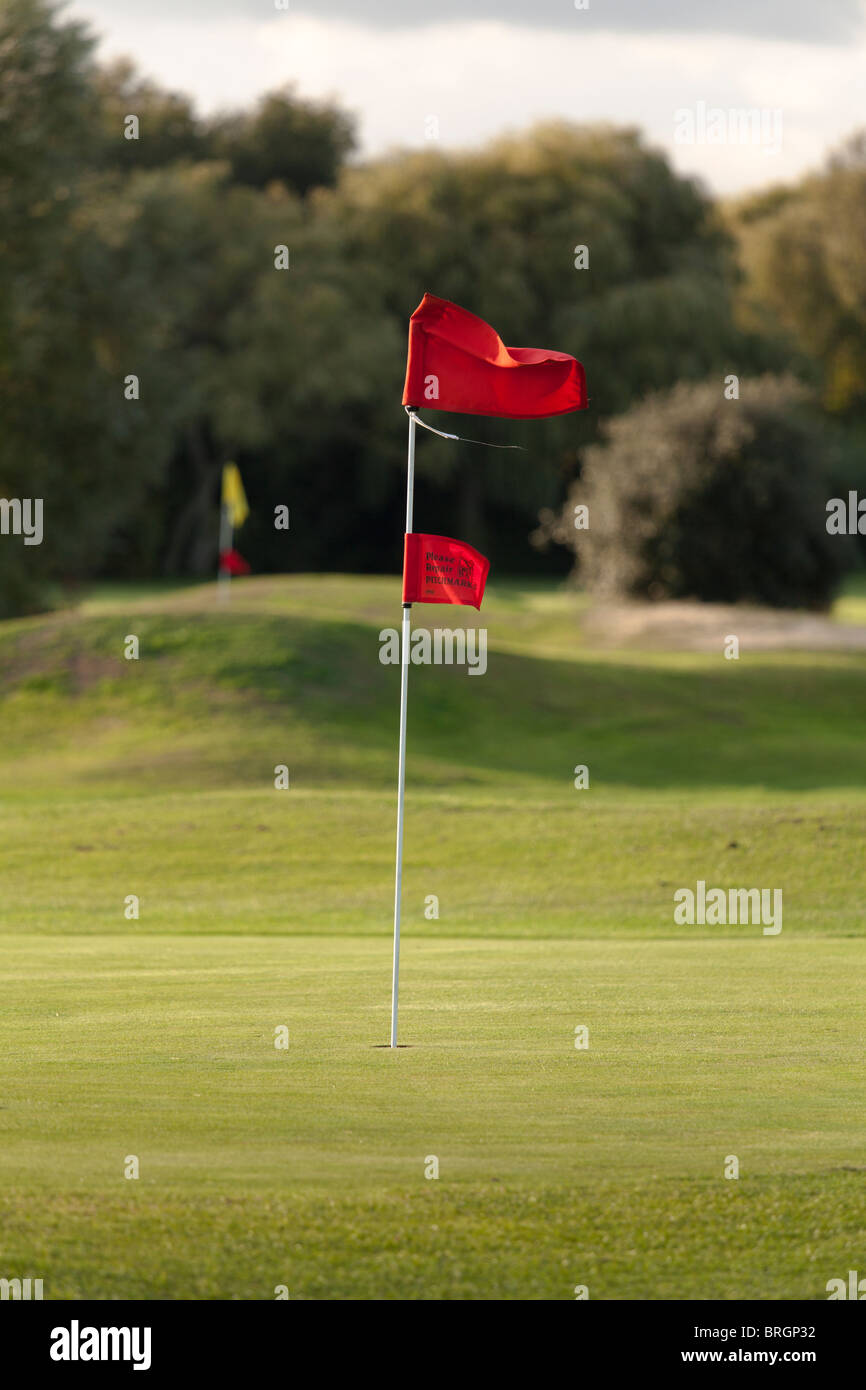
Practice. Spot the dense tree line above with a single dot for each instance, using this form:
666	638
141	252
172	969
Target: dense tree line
147	335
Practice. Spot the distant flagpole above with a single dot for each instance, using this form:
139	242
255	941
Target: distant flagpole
401	768
224	577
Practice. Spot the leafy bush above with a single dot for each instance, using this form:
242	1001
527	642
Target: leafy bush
692	495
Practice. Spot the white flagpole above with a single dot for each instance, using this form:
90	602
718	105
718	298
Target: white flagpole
225	543
401	770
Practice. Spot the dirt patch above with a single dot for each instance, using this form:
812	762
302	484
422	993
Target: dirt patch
49	651
703	627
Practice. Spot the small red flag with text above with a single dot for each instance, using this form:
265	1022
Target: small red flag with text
437	569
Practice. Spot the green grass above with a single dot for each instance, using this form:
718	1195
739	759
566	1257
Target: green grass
850	607
261	908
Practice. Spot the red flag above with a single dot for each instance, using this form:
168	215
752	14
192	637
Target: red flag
458	362
437	569
232	562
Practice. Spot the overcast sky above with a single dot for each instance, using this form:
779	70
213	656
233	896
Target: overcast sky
482	66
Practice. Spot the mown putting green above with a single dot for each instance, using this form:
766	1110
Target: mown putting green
305	1166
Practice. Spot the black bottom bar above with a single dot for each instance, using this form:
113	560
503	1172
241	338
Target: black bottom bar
224	1338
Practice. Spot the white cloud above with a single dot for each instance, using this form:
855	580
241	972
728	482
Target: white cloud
479	79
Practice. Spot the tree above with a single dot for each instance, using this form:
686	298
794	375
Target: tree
691	495
75	317
284	139
497	230
802	252
168	129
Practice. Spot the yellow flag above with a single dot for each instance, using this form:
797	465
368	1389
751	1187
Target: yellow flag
234	497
